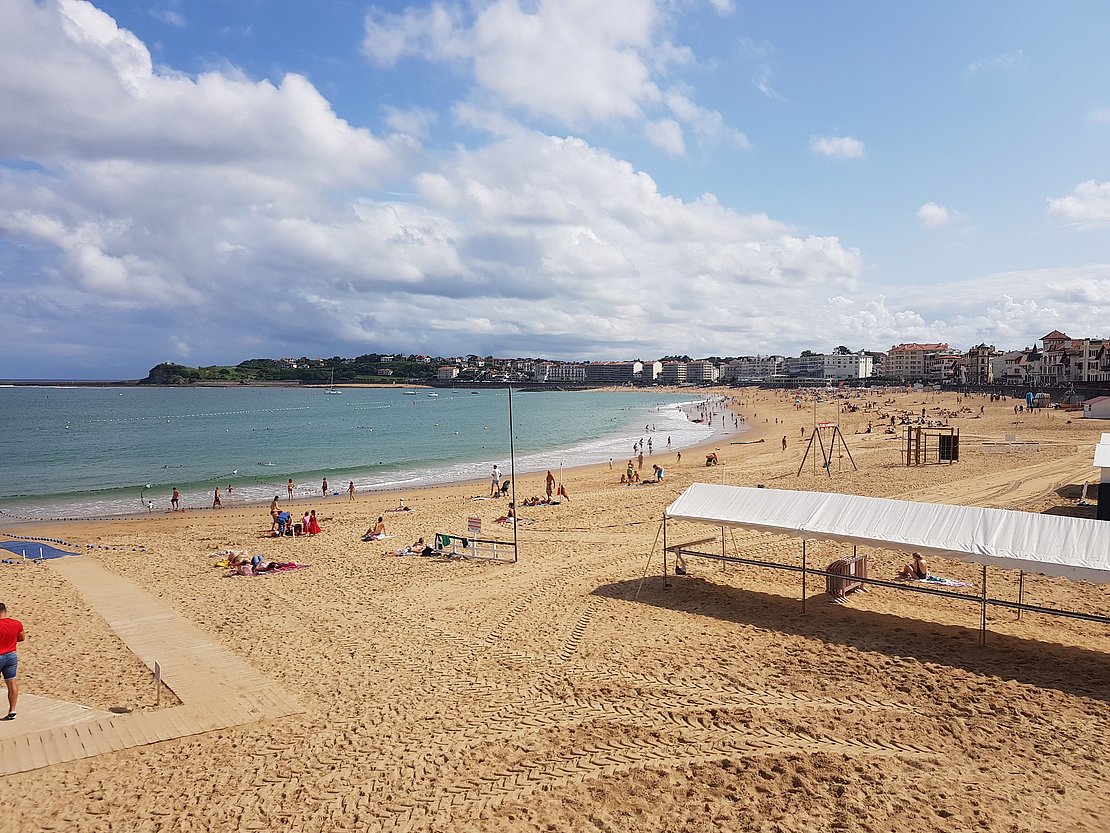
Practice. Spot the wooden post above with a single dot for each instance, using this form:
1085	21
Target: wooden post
1021	589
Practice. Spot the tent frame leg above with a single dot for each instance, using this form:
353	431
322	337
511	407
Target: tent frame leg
803	575
983	613
1021	590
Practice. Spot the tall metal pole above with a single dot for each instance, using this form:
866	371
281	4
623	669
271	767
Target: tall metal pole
512	472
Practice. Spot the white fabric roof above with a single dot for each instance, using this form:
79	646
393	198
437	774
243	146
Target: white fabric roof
1075	548
1102	455
1102	451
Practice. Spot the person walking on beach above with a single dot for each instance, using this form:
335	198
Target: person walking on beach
550	484
216	499
324	487
274	511
351	490
175	498
495	480
11	633
784	442
289	488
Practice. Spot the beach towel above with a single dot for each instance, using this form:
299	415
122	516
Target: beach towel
943	582
285	568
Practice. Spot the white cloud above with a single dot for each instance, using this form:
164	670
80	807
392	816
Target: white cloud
708	125
573	62
666	134
837	147
723	7
170	16
1004	62
933	215
1088	205
412	121
1101	115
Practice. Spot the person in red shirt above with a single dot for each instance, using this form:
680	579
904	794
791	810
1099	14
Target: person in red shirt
11	632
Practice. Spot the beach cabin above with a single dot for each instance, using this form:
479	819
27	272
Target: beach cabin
1097	408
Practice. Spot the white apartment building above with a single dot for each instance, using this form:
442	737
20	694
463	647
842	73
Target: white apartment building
673	373
614	373
702	371
832	366
912	362
752	368
556	372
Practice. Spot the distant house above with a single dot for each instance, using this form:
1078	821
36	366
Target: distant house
1097	408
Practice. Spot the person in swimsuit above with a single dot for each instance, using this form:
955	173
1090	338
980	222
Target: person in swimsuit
376	532
916	569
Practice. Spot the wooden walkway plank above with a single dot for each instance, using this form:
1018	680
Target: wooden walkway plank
217	687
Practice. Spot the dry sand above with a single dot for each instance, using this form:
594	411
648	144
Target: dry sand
473	696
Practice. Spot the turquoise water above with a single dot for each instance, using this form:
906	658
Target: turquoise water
91	452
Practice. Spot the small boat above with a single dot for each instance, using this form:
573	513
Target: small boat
331	389
410	393
433	394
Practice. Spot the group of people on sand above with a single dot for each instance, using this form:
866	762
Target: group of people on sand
632	475
282	521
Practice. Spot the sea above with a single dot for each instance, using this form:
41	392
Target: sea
98	452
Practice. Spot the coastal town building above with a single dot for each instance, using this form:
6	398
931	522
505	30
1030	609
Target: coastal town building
559	372
914	362
752	368
829	366
447	372
980	364
614	373
673	373
701	372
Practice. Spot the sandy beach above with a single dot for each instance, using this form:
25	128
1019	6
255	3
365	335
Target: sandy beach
376	692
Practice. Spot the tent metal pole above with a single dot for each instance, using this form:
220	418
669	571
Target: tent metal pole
647	564
983	614
803	575
1021	589
665	581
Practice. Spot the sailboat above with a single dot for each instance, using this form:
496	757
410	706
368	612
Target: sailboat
331	389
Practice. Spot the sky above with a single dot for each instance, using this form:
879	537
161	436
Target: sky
205	182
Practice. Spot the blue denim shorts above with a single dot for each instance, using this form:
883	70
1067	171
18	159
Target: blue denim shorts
8	664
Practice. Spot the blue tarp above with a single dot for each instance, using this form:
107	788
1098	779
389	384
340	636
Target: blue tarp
31	549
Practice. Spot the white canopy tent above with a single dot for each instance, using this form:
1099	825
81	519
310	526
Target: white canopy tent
1054	545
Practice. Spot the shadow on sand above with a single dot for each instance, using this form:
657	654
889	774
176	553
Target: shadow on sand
1072	670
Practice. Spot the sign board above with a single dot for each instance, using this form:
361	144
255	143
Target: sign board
473	525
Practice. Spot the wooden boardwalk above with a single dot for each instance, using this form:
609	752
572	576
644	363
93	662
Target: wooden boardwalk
216	687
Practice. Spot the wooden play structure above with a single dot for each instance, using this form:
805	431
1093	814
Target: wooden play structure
825	438
922	445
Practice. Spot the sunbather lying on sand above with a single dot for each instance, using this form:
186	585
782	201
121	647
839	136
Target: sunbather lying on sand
418	547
